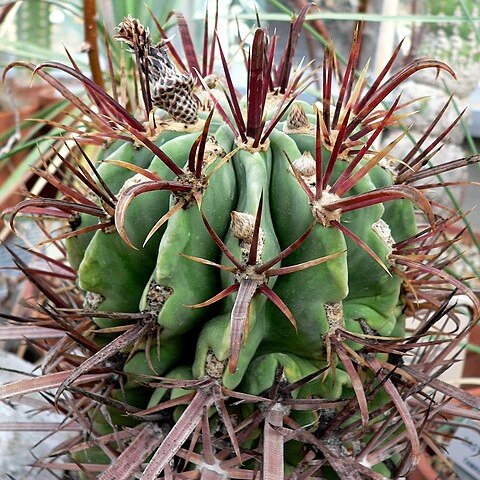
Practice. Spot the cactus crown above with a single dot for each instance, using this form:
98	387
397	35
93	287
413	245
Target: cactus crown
246	267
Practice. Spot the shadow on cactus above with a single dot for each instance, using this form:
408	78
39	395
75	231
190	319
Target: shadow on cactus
235	274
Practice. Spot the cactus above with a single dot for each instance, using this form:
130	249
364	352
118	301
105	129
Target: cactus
246	267
33	24
455	43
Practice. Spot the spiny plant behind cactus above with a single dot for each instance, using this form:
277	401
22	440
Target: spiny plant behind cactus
246	267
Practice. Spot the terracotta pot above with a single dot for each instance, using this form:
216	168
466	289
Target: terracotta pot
424	470
471	365
38	97
7	122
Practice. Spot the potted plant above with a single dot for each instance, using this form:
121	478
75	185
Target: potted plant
238	272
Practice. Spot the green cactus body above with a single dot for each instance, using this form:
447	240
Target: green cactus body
114	178
160	363
160	278
276	260
294	368
186	234
215	339
127	279
112	269
399	215
181	373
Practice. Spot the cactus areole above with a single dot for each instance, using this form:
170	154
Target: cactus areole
246	266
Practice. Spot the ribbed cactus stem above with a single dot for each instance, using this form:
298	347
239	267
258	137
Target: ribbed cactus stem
246	271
